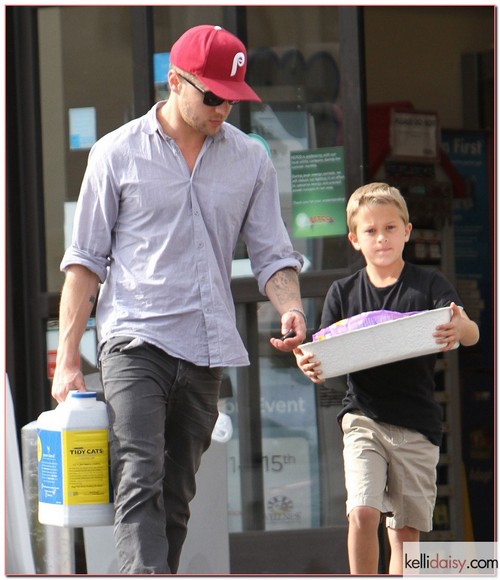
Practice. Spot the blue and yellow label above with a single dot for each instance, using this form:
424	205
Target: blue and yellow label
73	467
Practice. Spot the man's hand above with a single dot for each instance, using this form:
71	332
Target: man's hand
67	379
293	326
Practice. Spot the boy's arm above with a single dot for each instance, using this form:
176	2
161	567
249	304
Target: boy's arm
470	330
460	329
77	300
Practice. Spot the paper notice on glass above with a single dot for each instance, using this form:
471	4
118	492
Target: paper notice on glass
318	192
414	134
82	127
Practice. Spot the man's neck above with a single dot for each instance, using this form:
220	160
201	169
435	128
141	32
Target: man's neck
186	138
176	128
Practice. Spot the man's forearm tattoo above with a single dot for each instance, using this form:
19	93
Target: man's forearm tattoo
285	285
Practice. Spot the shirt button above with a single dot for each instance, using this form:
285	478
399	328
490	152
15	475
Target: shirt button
200	245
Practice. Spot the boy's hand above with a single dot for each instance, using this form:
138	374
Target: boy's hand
450	333
308	365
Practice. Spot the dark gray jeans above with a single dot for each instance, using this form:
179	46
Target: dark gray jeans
162	411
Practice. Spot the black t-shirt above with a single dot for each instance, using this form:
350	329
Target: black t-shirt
400	393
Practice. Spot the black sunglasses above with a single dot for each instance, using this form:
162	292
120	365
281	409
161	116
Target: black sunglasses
210	99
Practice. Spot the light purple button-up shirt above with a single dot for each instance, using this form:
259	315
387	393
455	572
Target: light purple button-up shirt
162	240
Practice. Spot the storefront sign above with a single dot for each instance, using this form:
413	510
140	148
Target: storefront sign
468	151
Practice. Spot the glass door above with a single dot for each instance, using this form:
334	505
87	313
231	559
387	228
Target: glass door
285	476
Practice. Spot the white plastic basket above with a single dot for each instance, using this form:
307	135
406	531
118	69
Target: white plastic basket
379	344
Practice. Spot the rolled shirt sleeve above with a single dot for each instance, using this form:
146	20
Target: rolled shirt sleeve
95	217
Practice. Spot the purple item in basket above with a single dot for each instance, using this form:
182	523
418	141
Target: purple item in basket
359	321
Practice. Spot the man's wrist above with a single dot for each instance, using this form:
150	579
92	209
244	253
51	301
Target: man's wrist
300	311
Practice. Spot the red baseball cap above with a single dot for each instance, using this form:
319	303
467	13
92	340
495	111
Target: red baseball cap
217	58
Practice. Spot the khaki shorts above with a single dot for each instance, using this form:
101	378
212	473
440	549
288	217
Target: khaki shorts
391	469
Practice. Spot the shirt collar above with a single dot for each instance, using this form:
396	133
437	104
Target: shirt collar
151	124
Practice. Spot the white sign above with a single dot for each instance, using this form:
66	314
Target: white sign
287	484
82	128
414	135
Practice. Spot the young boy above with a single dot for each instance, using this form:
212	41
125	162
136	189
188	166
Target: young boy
390	421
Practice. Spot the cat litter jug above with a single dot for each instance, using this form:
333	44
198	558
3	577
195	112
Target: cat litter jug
74	488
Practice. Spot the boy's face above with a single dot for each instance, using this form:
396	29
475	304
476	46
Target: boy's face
380	235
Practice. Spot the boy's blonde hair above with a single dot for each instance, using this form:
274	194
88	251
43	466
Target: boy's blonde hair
375	194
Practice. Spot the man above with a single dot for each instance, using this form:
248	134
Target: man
163	202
